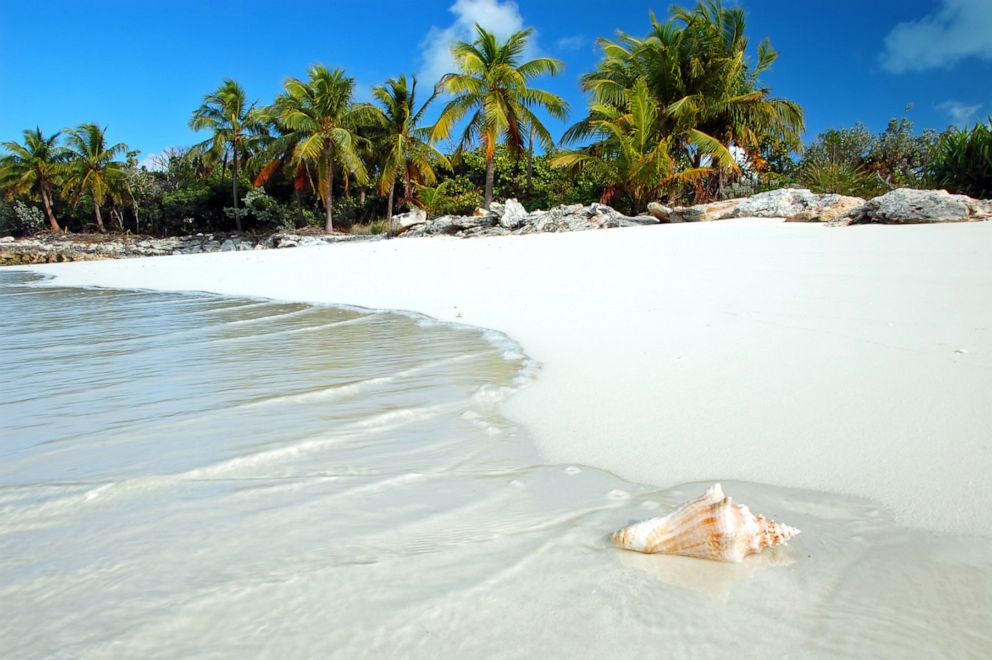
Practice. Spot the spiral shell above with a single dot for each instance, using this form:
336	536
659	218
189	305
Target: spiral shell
708	527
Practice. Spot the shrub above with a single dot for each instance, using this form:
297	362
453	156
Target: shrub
841	177
962	161
19	218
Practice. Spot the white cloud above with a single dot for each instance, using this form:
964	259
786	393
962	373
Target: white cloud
502	18
960	113
570	44
959	29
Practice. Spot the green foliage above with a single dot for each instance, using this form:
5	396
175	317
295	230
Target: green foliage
407	154
267	212
319	129
34	169
238	131
666	109
93	169
962	161
455	196
491	88
840	177
853	161
19	218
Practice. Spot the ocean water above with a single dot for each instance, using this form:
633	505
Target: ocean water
187	475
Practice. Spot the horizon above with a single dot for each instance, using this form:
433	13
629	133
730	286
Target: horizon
925	55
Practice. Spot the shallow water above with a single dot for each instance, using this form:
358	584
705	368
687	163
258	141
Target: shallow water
191	475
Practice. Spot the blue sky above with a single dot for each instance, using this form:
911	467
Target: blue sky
141	66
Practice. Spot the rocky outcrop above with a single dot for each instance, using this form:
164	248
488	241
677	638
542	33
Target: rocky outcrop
511	218
406	221
704	212
908	206
659	211
793	204
56	249
797	205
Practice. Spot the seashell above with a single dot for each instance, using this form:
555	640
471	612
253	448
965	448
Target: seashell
708	527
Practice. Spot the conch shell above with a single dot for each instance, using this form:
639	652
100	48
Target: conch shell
708	527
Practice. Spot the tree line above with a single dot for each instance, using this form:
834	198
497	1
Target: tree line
679	114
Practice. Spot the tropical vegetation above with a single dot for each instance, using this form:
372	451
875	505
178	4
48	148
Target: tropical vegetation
679	113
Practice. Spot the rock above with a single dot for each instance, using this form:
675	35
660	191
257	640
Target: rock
659	211
228	246
513	214
7	239
908	206
705	212
833	209
797	205
413	218
644	220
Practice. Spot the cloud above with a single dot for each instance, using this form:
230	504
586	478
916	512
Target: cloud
960	113
959	29
502	18
570	44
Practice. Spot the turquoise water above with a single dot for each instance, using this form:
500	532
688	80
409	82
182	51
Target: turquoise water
186	475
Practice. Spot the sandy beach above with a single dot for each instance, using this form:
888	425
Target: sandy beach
855	361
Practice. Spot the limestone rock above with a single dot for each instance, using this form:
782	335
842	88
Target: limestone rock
413	218
705	212
659	211
908	206
513	214
798	205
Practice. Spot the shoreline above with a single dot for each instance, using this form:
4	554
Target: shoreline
748	350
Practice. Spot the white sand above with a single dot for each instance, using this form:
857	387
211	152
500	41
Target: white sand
854	360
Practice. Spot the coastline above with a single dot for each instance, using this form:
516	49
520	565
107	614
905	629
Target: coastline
851	361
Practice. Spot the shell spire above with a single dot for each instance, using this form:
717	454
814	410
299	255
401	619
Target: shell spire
709	527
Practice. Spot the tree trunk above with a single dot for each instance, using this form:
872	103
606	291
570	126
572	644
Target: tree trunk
490	172
530	159
234	187
407	186
300	218
99	219
389	210
329	198
46	200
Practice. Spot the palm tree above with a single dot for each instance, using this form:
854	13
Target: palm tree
238	130
492	85
318	122
34	167
631	154
695	68
92	167
406	150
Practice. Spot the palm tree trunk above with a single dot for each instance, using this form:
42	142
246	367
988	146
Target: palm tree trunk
46	200
389	210
490	172
329	198
407	186
530	159
234	187
99	219
300	219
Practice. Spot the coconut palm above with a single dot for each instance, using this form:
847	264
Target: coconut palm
695	68
491	88
92	167
631	153
34	168
318	124
407	153
238	129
